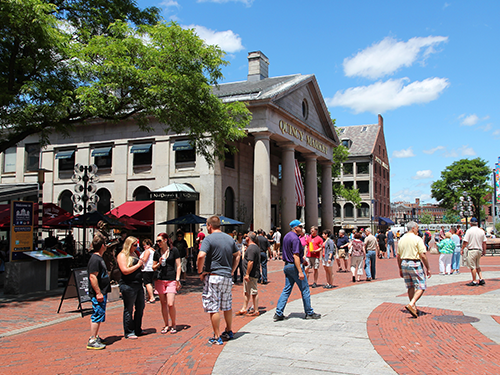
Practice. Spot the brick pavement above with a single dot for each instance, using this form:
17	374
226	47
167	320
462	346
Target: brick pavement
60	348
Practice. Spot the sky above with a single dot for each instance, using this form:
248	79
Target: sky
430	68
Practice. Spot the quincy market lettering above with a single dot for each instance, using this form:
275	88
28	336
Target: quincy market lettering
299	134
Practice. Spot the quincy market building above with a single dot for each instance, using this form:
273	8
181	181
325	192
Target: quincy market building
256	185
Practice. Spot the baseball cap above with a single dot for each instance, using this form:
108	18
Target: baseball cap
295	223
473	220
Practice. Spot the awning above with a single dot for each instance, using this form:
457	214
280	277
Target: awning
182	145
140	210
65	154
385	221
17	191
141	149
175	191
103	151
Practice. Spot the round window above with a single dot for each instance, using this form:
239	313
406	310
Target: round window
305	109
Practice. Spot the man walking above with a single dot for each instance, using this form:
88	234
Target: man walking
251	267
314	250
293	256
475	241
372	252
217	260
390	244
411	255
99	287
343	250
264	250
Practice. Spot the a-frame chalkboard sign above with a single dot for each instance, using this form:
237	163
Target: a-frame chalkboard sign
77	287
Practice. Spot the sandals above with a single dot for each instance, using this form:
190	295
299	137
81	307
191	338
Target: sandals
173	331
241	312
255	313
165	330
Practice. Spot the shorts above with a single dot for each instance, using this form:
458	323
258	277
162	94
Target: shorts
166	286
183	264
473	257
327	263
99	314
313	262
276	247
250	287
147	277
341	253
413	274
217	293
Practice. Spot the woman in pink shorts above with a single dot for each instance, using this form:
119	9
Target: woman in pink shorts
167	262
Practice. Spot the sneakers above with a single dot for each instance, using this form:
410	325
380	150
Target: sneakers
227	335
482	282
101	340
215	341
277	317
472	283
95	344
313	316
314	285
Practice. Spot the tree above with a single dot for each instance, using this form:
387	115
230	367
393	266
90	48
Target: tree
451	217
465	175
92	66
426	218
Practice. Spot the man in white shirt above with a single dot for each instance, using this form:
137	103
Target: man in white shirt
475	242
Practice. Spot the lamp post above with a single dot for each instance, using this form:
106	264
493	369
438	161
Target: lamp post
465	207
85	198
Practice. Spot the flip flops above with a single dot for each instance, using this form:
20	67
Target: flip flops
412	310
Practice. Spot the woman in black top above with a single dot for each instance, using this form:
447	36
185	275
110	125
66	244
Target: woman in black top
167	261
131	288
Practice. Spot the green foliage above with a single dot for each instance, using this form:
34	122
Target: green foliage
92	68
451	216
497	227
469	175
426	218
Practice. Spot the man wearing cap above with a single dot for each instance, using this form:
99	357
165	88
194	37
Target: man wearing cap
293	256
475	241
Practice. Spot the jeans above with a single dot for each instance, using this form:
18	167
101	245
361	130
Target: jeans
263	264
455	260
291	278
370	263
133	296
389	247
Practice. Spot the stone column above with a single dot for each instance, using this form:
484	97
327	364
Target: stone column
262	182
288	204
326	195
311	191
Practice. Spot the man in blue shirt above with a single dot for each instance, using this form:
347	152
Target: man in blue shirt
293	256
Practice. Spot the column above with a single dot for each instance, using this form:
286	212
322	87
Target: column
311	191
288	204
326	195
262	182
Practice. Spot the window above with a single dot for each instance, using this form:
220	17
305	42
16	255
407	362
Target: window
364	210
103	157
229	202
104	204
363	168
9	160
143	154
305	109
348	168
363	187
336	210
141	194
65	201
185	154
348	184
66	160
32	157
364	128
349	210
229	160
346	143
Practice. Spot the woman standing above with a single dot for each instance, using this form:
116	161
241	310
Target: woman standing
446	248
239	245
328	254
131	288
357	257
167	261
147	272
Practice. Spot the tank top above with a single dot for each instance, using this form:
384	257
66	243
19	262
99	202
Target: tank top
148	266
134	277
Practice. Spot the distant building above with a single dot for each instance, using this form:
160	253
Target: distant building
367	169
403	212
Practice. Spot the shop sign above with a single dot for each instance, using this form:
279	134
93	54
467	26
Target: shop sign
286	128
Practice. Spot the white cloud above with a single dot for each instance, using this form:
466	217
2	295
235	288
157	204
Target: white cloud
248	3
433	150
389	55
227	40
471	120
423	175
408	153
384	96
461	151
487	127
406	195
169	3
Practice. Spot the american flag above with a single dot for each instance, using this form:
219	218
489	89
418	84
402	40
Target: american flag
300	199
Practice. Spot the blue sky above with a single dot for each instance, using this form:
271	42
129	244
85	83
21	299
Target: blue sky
430	68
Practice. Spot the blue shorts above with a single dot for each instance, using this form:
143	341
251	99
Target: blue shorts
413	274
99	314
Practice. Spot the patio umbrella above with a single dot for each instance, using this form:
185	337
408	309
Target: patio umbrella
93	218
186	219
227	221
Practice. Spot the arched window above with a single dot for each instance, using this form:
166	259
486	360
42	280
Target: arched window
141	194
104	204
336	210
364	210
65	201
348	210
229	203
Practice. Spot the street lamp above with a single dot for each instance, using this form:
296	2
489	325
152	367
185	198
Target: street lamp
465	207
85	198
